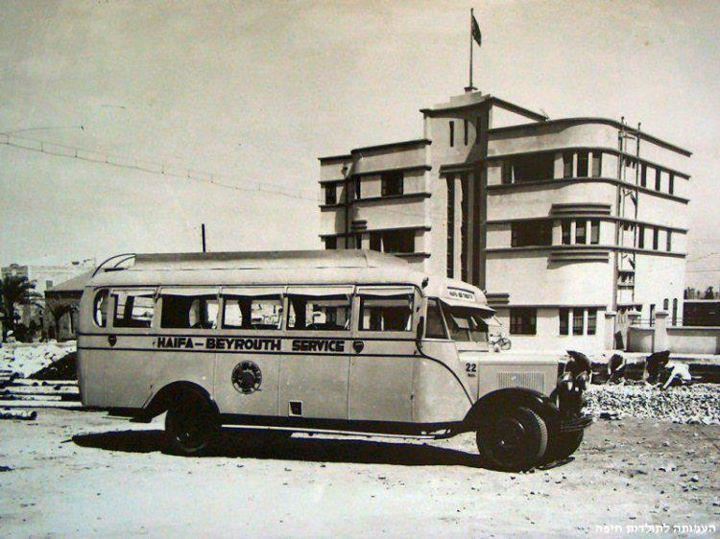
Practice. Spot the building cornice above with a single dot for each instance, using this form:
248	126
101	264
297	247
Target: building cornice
487	101
591	120
569	181
371	200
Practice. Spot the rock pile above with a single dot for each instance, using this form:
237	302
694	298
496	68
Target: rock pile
695	404
26	359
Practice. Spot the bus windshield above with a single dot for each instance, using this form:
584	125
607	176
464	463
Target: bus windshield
466	324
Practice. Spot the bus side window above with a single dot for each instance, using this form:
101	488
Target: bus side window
100	308
321	313
434	328
133	308
386	314
189	312
248	312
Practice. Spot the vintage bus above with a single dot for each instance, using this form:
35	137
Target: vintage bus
345	341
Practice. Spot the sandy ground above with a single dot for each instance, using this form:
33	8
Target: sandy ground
76	473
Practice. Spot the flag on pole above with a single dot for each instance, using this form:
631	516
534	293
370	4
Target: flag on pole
477	36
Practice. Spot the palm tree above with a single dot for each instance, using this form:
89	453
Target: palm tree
14	290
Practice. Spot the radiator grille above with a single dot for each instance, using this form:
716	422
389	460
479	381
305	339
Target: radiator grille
530	380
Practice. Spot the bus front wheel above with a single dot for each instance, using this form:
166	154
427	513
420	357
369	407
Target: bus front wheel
191	424
513	440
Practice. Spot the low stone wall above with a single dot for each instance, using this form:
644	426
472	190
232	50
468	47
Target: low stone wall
679	339
696	340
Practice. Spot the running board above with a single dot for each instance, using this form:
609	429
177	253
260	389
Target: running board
342	432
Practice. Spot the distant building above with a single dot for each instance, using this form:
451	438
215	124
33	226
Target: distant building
563	222
44	277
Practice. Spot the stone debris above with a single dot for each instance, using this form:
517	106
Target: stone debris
27	359
695	404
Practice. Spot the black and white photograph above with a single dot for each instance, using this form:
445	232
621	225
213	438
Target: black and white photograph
359	268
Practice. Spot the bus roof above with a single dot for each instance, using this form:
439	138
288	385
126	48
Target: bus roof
327	267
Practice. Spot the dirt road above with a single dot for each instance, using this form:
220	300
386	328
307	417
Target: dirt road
83	473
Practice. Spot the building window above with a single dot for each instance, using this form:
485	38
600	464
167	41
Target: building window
668	241
567	165
523	321
465	132
376	241
652	314
658	179
507	173
330	194
358	188
533	168
398	241
656	238
477	130
596	164
564	321
675	312
643	176
566	225
358	241
641	237
580	232
391	183
582	164
452	134
594	232
48	284
532	232
577	325
331	243
591	321
450	261
671	183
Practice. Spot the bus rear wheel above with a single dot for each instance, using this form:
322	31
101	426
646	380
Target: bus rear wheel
513	440
191	424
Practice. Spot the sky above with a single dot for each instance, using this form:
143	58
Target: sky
236	100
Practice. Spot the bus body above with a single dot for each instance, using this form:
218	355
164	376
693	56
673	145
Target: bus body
312	340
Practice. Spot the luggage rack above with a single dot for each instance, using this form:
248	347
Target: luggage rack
119	259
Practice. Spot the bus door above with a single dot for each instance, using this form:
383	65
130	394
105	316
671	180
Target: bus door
188	321
315	360
248	349
381	367
129	344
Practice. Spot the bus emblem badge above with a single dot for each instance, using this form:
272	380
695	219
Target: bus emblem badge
246	377
112	339
358	346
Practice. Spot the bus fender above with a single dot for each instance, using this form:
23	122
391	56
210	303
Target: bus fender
502	399
163	399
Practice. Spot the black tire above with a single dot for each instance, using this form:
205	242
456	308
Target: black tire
513	439
564	444
191	424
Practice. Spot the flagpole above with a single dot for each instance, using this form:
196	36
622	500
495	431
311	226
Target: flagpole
470	87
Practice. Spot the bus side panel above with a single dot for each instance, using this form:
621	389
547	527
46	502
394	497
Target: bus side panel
319	382
231	400
440	394
160	369
381	387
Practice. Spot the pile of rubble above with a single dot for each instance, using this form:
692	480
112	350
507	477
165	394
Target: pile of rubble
694	404
27	359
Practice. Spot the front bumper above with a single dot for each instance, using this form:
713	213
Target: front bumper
575	424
